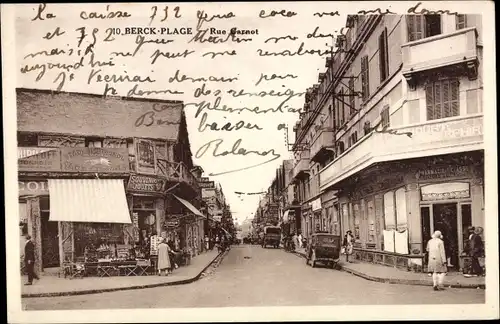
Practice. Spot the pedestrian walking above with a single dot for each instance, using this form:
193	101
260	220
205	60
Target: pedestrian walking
207	242
300	238
295	241
437	260
29	260
348	244
164	263
475	250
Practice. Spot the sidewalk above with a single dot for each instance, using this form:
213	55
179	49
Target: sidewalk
385	274
52	286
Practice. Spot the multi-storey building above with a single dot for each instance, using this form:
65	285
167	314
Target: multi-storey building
390	143
107	167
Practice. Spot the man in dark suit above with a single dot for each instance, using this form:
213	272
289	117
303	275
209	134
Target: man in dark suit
29	260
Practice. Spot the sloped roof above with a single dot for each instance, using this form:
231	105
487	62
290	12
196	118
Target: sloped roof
90	114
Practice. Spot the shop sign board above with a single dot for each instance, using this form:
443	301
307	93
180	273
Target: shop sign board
94	159
33	188
38	159
316	204
146	184
217	218
206	184
172	222
443	172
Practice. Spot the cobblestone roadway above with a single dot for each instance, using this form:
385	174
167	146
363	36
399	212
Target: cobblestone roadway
253	276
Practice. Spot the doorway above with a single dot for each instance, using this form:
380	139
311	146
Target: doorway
50	241
445	219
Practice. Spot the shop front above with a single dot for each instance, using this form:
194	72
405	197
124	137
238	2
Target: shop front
318	223
393	208
68	195
146	199
191	225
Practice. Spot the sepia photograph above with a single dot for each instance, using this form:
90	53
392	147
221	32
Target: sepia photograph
253	161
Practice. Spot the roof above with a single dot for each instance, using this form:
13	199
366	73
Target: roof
47	111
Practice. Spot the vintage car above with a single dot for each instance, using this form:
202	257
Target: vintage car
272	236
323	248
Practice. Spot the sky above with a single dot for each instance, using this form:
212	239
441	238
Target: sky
245	67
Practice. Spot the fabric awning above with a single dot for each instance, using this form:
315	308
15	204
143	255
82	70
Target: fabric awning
189	206
88	200
285	216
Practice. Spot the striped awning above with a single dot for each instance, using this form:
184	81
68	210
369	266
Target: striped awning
189	206
88	200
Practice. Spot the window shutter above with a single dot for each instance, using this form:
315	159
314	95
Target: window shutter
461	21
383	55
446	99
352	98
381	63
415	26
386	52
438	100
455	98
365	78
429	99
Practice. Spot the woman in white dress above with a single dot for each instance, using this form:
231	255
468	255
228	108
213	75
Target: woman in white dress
163	257
437	260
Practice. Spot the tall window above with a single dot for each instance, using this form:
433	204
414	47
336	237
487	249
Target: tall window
365	78
461	21
422	26
331	116
383	53
342	107
384	117
442	99
352	98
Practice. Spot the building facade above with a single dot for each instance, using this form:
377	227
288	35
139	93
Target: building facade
394	133
91	173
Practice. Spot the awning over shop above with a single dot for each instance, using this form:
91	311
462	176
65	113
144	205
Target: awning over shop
285	216
88	200
188	205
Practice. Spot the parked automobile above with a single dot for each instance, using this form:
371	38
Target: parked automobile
323	248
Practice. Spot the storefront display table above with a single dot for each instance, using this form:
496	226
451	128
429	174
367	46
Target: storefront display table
105	269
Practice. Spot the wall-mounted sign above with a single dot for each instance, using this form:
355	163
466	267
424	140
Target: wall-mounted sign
217	218
444	172
146	184
38	159
204	179
33	188
206	184
316	204
94	159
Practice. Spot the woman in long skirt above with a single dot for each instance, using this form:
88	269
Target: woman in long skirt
163	257
437	260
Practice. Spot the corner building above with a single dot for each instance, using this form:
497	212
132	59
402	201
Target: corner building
90	176
395	133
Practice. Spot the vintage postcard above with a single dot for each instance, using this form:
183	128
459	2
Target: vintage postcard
250	161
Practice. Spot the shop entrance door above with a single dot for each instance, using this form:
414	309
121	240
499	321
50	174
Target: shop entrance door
50	242
445	219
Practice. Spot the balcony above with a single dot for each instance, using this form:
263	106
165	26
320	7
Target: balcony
444	50
301	168
437	137
322	145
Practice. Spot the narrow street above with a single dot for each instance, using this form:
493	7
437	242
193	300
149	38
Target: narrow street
253	276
